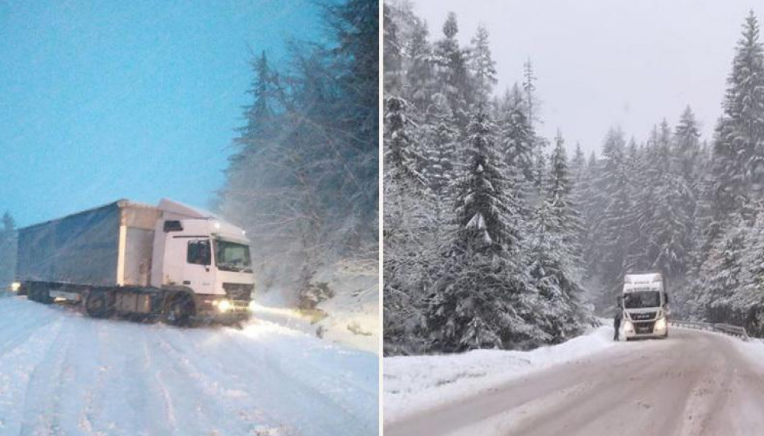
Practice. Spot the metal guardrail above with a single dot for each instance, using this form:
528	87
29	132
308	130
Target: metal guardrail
727	329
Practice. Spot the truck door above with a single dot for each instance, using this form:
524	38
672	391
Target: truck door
198	271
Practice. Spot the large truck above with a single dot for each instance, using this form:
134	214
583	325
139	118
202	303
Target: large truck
645	306
169	261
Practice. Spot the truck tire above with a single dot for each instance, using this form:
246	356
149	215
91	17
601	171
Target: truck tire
97	304
32	293
43	296
39	294
179	310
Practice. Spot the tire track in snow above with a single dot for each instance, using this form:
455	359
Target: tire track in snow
209	383
305	375
43	394
113	377
18	333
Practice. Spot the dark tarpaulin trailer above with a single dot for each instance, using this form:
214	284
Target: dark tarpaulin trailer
106	246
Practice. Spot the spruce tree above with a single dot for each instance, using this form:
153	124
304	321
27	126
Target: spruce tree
555	253
739	146
451	71
420	73
482	64
615	229
516	135
482	298
441	138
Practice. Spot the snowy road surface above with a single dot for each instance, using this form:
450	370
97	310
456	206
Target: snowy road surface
65	374
693	383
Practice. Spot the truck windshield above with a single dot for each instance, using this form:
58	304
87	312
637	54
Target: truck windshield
641	299
232	256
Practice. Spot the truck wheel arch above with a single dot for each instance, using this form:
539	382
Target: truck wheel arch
175	295
99	303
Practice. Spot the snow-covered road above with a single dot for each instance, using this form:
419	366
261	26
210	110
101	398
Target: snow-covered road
65	374
693	383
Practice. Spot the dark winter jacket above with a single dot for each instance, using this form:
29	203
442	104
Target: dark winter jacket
618	314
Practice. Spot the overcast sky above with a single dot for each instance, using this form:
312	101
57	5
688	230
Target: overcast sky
608	62
138	99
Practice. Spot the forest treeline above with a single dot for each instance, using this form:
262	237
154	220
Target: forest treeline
494	238
303	180
8	243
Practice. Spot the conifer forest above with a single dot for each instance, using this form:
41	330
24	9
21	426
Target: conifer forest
498	237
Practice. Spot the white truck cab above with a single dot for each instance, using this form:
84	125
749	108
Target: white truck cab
645	306
197	251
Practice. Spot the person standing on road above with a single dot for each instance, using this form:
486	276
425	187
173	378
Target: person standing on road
617	317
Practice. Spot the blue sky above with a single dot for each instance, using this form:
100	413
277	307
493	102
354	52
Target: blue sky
101	100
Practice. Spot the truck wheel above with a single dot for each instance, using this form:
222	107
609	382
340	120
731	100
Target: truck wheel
43	296
179	310
32	294
97	304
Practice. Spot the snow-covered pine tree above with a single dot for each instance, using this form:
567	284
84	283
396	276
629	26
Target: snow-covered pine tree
481	298
687	151
486	210
555	256
482	65
615	229
529	87
441	138
722	275
452	73
577	166
592	205
739	143
516	135
420	73
748	303
559	196
405	222
392	53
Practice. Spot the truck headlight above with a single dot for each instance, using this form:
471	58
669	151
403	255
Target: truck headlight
660	324
15	286
628	326
224	305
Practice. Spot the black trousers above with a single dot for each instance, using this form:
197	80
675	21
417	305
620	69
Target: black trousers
617	326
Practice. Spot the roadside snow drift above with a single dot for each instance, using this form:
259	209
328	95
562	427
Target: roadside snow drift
351	316
416	383
63	373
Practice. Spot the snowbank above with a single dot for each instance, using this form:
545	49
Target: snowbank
753	350
416	383
350	318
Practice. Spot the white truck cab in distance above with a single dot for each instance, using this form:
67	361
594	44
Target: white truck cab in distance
645	306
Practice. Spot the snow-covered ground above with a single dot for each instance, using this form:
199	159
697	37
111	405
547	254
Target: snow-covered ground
64	373
352	315
693	383
416	383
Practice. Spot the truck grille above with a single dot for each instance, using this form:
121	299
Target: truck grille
238	291
644	327
643	316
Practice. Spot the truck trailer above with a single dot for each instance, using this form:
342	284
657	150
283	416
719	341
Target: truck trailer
645	306
169	261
